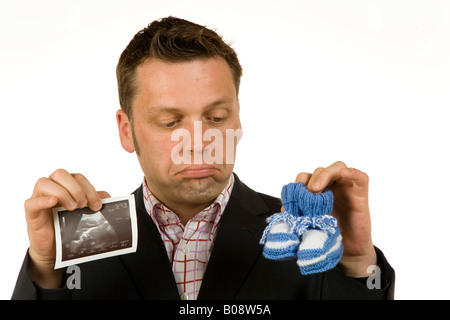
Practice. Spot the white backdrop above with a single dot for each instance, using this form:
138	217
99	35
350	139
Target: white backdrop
365	82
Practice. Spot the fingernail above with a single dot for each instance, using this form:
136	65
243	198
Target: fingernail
317	185
50	200
97	206
72	205
82	203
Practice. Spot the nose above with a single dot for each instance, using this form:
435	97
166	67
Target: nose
192	147
196	131
197	143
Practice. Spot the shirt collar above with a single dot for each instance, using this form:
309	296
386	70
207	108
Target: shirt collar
161	214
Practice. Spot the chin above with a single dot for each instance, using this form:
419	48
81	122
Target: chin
201	190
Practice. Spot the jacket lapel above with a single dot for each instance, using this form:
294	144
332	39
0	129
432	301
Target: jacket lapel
235	250
149	267
237	244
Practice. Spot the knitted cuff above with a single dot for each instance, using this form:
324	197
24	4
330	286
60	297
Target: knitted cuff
314	204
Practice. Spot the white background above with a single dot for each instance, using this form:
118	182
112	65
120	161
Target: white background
365	82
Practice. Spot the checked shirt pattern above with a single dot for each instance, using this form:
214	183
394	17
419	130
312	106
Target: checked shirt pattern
188	247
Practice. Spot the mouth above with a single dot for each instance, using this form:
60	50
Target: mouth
198	171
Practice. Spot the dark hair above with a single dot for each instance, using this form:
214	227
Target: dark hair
173	40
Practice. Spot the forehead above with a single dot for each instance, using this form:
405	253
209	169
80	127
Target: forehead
200	81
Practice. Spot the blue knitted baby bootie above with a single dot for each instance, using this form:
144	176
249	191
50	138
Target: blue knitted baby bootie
279	238
321	246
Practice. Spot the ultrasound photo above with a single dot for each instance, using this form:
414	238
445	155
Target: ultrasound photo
84	235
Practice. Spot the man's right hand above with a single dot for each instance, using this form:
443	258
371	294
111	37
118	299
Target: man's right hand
61	188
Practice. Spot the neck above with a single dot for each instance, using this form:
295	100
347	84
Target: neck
188	205
187	212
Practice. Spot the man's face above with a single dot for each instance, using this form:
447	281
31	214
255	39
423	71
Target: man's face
182	95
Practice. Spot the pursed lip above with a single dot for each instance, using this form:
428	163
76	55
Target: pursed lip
198	171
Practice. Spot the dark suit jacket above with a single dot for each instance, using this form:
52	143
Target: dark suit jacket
236	269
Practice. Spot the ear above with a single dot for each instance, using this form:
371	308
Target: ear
239	110
125	131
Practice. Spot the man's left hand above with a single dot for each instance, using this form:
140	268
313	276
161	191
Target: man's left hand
351	208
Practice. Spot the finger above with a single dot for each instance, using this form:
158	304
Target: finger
47	187
323	177
93	198
73	187
313	179
359	178
34	206
354	175
103	195
303	177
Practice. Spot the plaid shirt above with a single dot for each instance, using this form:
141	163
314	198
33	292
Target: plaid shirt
188	247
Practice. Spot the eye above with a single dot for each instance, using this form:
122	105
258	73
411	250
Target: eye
170	124
217	120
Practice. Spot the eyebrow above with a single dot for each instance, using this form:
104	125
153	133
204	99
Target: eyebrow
173	110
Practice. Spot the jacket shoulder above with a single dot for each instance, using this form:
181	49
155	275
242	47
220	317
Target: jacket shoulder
273	203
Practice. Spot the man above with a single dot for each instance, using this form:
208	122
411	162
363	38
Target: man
199	225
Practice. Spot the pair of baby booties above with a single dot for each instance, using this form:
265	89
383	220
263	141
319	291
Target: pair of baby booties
305	230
